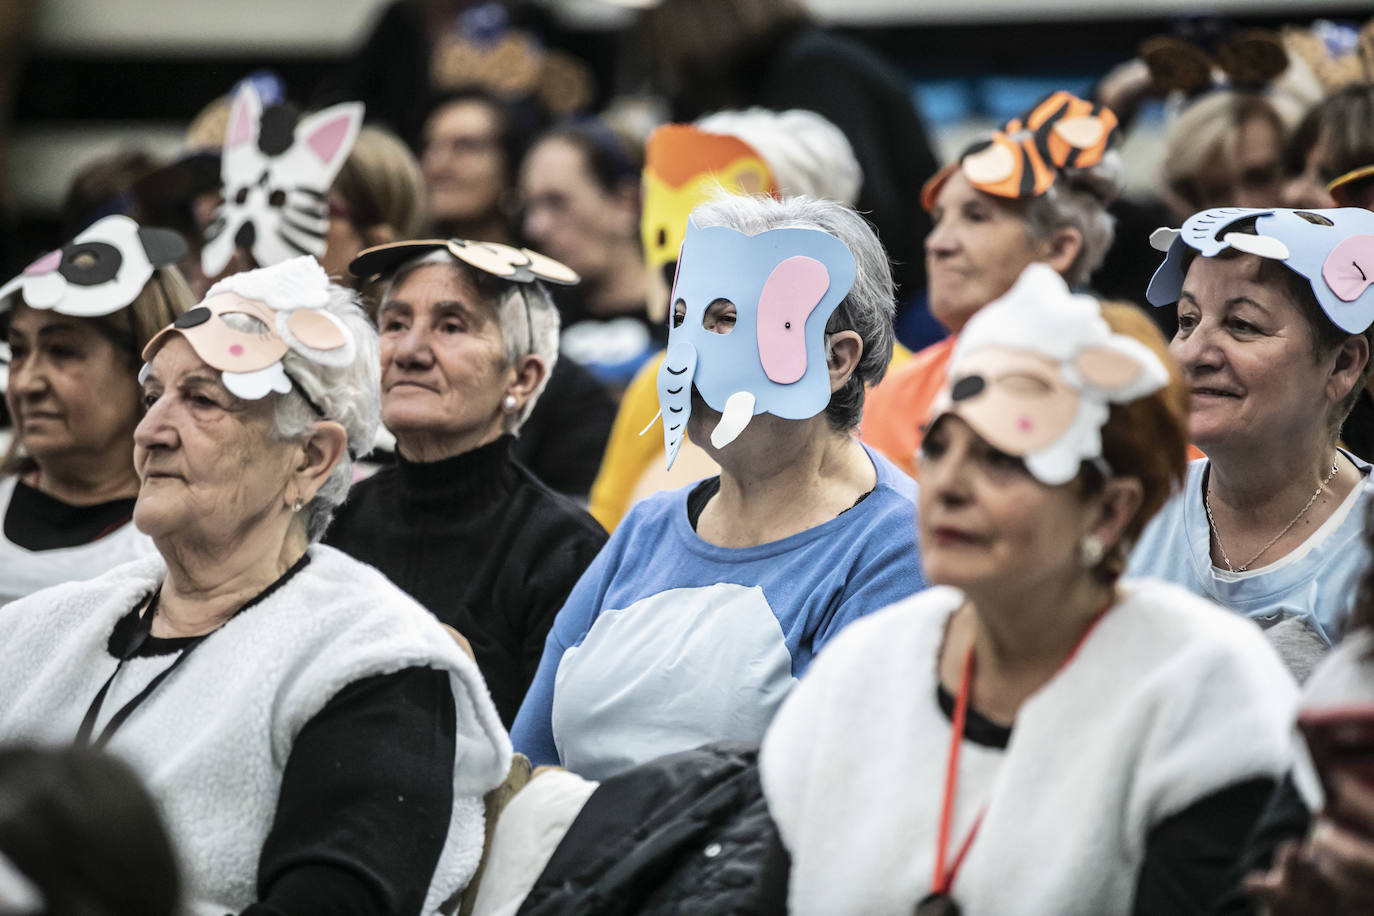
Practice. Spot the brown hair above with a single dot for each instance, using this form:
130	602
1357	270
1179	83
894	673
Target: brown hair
165	296
1146	438
382	185
1209	128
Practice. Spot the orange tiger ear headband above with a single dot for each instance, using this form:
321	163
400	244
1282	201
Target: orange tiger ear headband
1023	159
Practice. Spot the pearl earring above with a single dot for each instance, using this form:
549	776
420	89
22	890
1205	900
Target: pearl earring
510	403
1092	550
296	507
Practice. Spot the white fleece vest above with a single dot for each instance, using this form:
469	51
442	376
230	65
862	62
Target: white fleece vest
212	741
24	571
1169	700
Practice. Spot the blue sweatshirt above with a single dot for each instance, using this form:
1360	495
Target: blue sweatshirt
668	642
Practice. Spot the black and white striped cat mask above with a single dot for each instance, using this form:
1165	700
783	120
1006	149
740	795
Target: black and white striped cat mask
100	271
276	171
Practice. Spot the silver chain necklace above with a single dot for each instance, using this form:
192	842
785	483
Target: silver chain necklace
1207	504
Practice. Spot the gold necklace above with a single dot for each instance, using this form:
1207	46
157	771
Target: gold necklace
1207	504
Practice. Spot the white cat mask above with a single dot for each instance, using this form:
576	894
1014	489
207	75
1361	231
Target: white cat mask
275	173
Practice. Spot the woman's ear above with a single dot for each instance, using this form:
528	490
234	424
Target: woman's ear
380	234
1115	508
1062	248
320	454
530	372
1348	369
842	356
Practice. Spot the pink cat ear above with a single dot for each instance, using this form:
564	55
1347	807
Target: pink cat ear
243	117
329	134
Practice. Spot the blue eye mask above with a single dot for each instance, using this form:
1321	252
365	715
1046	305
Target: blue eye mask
784	284
1332	249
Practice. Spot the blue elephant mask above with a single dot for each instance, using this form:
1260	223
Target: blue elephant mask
1332	249
785	284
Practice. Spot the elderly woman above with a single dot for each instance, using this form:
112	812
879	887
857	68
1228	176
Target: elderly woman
468	338
1035	191
78	319
285	704
1016	740
1274	338
695	620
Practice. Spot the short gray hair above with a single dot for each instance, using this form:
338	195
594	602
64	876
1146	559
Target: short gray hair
349	395
868	307
525	314
1078	199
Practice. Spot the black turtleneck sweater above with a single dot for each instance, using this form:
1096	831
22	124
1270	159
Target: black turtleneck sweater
477	539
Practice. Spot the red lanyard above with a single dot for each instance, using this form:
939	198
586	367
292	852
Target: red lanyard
943	880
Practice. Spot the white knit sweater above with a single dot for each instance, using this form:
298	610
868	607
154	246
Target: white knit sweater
1169	700
212	741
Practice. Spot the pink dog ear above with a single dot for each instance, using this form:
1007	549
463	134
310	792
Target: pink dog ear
1106	369
243	117
790	295
1349	269
315	330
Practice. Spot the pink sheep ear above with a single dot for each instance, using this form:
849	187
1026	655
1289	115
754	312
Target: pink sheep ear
1106	368
315	330
243	117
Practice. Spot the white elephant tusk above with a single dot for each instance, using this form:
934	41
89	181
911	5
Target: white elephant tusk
652	422
739	410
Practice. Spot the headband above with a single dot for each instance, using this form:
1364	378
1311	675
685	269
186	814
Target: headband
1332	249
1023	159
683	167
514	265
286	307
99	272
1035	372
784	284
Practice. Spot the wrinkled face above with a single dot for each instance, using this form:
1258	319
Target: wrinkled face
1247	354
72	392
444	371
978	247
1249	175
1017	399
985	522
568	215
210	464
464	169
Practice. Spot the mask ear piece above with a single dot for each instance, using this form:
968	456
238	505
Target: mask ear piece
163	246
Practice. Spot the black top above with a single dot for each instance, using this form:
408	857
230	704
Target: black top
564	437
376	761
1191	857
865	97
36	521
490	550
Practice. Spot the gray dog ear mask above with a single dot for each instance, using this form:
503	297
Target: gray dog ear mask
99	272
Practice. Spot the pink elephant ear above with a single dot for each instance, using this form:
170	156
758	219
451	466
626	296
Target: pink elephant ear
790	295
1349	269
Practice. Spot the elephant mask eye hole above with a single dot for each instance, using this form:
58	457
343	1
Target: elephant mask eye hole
679	313
719	317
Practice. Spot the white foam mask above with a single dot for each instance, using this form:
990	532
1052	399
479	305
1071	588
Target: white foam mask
276	173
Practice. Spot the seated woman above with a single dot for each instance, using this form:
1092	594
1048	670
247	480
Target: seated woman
1034	735
78	319
695	620
1274	339
457	521
996	210
580	188
285	704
